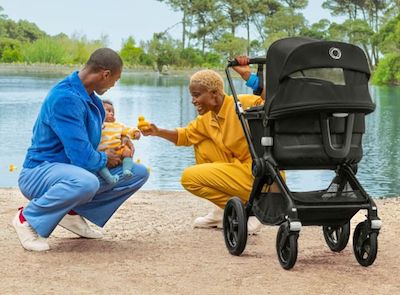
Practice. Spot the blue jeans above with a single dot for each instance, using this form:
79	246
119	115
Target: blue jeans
56	188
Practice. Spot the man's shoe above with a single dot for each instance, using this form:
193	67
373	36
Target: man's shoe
78	225
253	225
212	219
28	237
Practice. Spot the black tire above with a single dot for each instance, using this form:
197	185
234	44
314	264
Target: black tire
365	244
235	226
286	246
337	236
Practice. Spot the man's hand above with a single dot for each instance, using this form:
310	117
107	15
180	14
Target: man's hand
151	130
243	70
127	153
113	160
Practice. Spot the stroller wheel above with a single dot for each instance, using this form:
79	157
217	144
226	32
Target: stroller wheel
286	246
235	226
365	244
337	236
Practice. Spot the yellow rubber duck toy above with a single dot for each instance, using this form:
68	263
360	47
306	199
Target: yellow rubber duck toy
12	168
142	123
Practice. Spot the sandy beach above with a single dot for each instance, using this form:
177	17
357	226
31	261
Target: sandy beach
150	248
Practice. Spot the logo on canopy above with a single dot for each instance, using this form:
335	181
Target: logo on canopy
335	53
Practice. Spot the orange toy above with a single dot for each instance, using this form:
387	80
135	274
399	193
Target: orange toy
142	123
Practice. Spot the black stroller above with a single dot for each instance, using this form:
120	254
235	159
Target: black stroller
316	99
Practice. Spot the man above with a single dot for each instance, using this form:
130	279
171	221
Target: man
60	169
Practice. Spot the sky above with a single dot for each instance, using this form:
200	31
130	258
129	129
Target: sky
118	19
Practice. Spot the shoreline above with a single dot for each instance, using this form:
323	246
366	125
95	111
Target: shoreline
150	247
57	69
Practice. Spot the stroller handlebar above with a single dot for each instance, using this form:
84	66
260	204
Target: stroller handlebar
255	60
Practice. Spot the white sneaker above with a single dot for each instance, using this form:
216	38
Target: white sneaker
253	225
212	219
28	237
78	225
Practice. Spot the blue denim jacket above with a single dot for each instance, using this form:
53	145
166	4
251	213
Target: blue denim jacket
68	128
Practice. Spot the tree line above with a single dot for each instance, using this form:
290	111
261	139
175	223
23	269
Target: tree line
213	30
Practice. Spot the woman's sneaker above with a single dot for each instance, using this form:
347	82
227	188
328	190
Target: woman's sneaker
212	219
28	237
253	225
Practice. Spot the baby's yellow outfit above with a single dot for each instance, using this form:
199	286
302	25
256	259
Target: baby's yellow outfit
112	133
222	155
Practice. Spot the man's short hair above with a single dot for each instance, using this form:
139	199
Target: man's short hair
104	59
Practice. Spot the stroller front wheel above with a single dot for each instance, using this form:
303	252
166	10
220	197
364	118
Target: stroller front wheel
337	237
235	226
365	244
286	246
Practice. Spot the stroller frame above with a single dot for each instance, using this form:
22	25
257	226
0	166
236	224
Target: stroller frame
332	210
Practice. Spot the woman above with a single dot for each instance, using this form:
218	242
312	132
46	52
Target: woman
223	161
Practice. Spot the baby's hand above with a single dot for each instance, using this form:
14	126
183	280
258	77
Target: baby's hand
137	135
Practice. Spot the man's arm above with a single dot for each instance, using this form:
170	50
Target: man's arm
67	121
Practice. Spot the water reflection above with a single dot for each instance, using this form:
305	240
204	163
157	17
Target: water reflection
165	100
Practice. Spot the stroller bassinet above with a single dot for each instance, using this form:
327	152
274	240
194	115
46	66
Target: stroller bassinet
316	99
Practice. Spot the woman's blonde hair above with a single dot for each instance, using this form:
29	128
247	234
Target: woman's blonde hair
210	79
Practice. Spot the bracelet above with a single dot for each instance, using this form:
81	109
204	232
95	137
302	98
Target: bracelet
252	82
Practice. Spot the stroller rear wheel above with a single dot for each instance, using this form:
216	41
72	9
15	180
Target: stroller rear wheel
235	226
337	236
365	244
286	246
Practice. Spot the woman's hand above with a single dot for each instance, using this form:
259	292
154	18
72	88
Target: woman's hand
152	130
243	70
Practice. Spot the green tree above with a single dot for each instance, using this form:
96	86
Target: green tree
45	50
131	54
318	30
230	46
209	22
23	30
260	11
2	14
10	50
360	14
163	50
284	23
388	69
183	6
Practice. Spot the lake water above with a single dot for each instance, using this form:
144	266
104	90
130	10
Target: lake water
165	101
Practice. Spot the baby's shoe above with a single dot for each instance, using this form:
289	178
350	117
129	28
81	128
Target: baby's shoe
113	179
127	173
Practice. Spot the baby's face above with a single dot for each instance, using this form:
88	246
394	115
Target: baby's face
109	112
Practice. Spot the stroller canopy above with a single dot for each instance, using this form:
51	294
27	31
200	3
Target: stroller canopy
289	89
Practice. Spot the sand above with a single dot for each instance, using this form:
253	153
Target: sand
150	248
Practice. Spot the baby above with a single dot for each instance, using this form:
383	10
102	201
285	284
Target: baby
112	137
